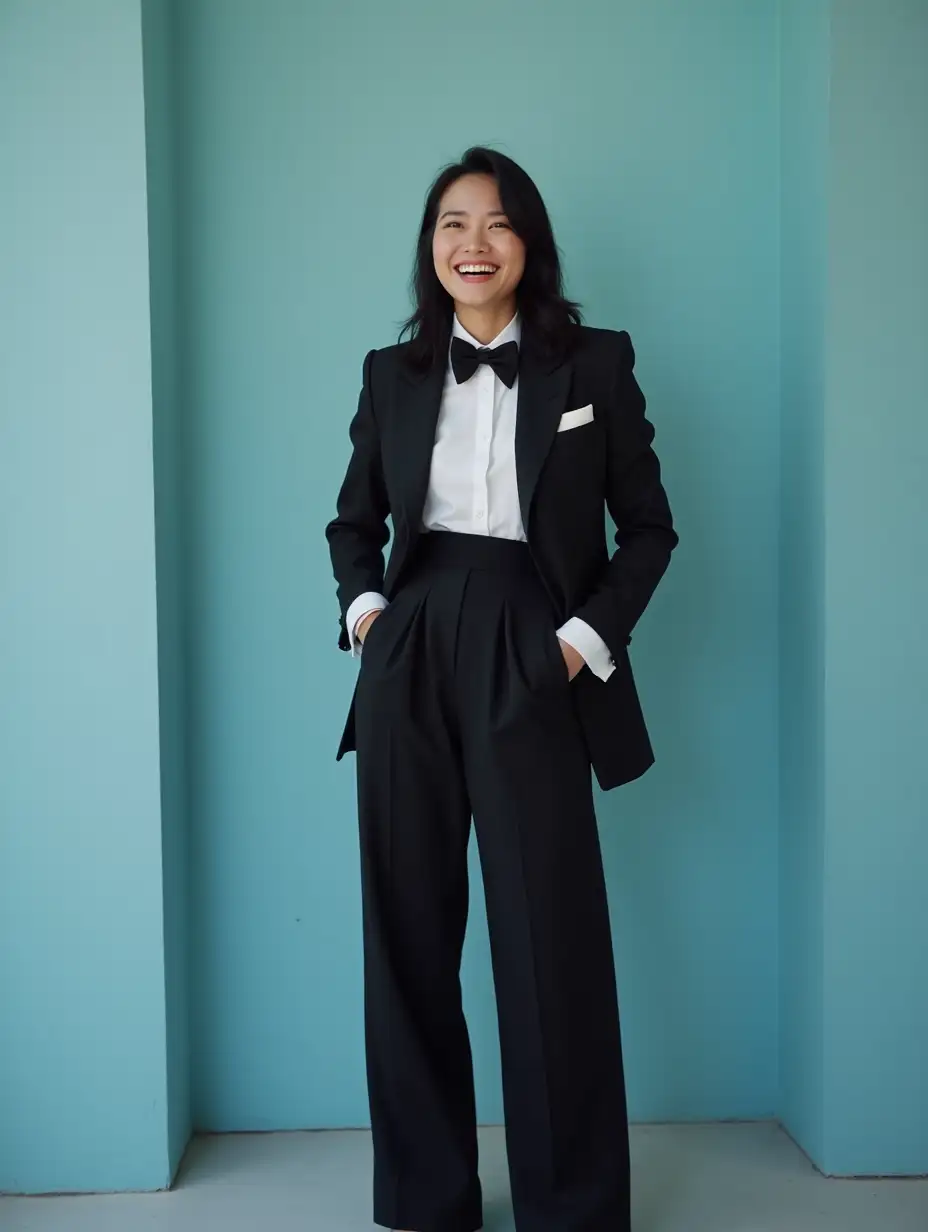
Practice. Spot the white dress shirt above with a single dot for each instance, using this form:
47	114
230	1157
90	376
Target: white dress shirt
472	482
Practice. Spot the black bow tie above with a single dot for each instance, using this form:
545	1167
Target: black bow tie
465	359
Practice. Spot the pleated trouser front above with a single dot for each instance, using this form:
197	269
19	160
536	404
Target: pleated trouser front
464	709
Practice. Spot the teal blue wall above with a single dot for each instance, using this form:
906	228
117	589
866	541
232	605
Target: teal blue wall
83	1084
652	132
170	518
876	591
854	541
212	220
804	68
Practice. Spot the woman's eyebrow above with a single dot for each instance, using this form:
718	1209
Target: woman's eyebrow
490	213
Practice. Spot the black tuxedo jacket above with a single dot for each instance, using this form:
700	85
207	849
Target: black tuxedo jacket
566	480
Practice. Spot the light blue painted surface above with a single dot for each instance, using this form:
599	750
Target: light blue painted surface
804	70
307	139
82	1024
158	50
854	673
876	592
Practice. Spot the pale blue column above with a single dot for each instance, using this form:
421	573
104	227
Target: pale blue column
83	1035
804	53
875	904
854	587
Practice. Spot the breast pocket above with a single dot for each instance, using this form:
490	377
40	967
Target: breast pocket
579	435
578	418
576	463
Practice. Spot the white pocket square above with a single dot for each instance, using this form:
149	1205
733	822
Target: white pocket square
573	419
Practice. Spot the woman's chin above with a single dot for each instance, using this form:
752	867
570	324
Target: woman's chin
477	297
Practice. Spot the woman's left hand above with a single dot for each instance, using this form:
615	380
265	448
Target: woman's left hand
573	658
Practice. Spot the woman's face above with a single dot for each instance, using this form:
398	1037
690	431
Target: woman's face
471	228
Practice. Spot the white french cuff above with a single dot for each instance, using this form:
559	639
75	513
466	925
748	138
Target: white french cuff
587	642
369	601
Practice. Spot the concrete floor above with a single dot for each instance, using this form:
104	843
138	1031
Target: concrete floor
686	1178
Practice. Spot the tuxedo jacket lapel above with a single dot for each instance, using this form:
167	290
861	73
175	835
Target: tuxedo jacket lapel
543	390
418	401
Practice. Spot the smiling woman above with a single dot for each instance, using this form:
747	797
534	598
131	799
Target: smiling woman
479	259
495	439
486	211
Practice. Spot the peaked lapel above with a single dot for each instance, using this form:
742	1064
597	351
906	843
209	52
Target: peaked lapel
542	392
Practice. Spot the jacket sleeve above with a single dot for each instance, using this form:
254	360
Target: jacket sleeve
358	532
638	505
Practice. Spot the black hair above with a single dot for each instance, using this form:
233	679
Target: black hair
539	296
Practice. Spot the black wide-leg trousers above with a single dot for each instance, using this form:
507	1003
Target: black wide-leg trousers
464	708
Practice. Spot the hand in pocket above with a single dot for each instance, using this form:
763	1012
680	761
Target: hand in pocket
365	624
573	659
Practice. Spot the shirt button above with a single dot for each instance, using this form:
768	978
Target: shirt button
479	515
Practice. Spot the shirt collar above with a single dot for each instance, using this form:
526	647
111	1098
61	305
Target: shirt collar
509	333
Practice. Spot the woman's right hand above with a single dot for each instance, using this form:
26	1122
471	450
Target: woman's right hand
366	623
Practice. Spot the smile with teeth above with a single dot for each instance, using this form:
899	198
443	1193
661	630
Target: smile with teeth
476	271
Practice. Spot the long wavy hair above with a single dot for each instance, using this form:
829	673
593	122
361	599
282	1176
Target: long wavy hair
539	296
